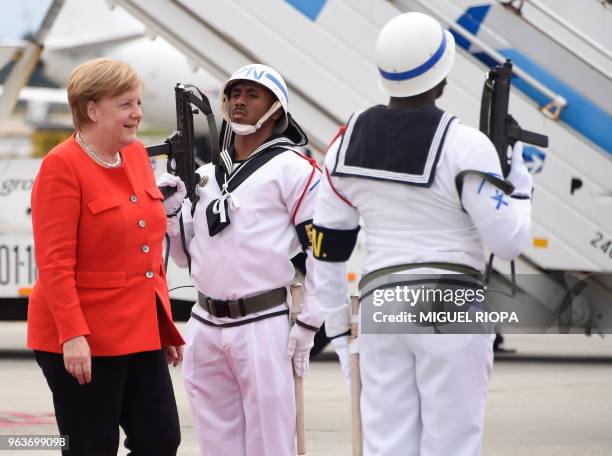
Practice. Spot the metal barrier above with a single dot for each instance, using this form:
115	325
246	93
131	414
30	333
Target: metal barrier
557	102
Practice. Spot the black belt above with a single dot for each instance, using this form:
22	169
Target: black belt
454	267
243	306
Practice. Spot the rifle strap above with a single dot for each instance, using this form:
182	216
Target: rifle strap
184	243
203	104
503	184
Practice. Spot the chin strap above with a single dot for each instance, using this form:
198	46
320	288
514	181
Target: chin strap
245	129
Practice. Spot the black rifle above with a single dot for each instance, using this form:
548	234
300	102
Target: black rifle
179	146
503	131
495	122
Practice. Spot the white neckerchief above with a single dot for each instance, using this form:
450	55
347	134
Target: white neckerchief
233	204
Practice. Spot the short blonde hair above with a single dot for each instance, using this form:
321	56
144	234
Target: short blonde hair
97	79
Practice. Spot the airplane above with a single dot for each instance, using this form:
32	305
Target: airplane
85	34
86	30
83	31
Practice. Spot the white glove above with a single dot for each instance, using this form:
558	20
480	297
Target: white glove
301	341
341	345
173	203
519	175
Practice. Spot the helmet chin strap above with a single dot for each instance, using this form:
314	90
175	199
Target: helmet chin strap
245	129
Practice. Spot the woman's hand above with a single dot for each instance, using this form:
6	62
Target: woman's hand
77	359
174	355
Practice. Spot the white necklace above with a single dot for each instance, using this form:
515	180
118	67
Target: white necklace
93	154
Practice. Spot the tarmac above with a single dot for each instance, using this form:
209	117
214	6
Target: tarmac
553	396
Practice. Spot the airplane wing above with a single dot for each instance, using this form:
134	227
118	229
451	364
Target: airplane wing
42	95
26	62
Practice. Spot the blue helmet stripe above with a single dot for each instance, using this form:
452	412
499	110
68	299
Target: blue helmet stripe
405	75
278	84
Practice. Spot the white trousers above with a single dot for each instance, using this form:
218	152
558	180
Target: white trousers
240	388
424	394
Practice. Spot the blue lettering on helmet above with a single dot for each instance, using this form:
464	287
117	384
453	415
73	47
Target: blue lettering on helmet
246	71
251	71
258	76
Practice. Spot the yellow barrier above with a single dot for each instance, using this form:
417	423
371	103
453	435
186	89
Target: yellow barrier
44	140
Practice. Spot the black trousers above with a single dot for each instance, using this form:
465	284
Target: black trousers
132	391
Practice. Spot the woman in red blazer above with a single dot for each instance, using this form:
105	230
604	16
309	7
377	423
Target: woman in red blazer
99	317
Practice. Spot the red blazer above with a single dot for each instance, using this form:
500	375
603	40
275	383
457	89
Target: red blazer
98	240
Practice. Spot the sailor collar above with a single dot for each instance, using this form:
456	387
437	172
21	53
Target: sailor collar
228	178
396	145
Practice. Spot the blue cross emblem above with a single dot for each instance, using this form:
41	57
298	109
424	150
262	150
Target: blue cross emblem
499	198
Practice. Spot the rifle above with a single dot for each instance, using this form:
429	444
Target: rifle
503	131
495	122
179	146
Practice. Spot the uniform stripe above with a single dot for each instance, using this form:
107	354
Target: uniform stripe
331	184
299	203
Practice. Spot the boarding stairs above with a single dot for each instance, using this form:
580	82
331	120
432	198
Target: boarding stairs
325	50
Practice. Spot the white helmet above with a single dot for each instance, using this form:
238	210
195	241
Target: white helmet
414	54
267	77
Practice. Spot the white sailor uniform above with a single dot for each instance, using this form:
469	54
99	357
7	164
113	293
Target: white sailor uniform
238	378
423	394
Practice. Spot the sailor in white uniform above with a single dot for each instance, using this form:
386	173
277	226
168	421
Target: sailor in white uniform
395	168
253	215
